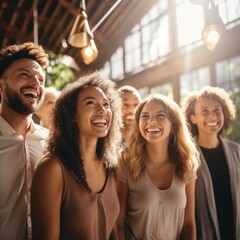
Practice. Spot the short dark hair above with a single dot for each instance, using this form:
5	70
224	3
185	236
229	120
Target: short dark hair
29	50
129	89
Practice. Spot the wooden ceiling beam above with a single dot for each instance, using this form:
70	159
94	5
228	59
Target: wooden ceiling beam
13	20
28	18
54	24
10	32
69	7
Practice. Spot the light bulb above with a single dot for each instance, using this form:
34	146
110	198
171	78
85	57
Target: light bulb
213	36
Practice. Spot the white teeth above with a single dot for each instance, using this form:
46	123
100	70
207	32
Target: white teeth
30	92
212	124
153	130
100	121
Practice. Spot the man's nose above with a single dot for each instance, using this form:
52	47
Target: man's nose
35	81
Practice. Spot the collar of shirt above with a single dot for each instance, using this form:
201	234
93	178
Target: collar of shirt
7	130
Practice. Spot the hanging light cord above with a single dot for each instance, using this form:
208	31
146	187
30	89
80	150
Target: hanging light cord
212	3
35	25
106	15
82	5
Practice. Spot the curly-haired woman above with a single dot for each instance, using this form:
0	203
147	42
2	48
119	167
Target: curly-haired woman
74	193
210	112
156	174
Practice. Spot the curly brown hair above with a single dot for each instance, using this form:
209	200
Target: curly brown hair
63	141
214	93
29	50
183	152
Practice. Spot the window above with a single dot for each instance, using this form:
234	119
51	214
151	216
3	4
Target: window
194	80
155	38
229	10
133	50
227	73
157	10
106	70
190	22
144	92
151	42
164	89
155	33
117	64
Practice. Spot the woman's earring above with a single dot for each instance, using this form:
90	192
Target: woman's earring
172	140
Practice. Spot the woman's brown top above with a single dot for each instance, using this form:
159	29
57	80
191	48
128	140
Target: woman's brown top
87	215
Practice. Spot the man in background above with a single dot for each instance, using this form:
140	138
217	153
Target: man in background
44	115
130	100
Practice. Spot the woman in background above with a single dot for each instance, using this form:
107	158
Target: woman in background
210	112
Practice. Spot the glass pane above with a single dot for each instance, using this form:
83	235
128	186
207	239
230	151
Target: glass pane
117	64
163	5
190	22
106	70
227	72
147	33
145	53
229	10
144	92
133	60
155	11
194	80
156	39
132	42
164	89
161	44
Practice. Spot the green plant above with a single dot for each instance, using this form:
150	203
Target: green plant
233	133
58	74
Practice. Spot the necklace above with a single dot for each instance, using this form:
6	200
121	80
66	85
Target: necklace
162	175
158	167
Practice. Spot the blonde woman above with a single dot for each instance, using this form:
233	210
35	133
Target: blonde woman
157	173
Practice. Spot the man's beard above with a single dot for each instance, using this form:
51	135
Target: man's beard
14	101
127	126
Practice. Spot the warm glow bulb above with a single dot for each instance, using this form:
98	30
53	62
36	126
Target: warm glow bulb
88	51
213	36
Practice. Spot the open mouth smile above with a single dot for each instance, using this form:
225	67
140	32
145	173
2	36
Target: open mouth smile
30	93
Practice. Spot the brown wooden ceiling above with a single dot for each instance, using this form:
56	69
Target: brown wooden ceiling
55	20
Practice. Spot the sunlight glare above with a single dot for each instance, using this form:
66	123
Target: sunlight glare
190	21
88	51
213	36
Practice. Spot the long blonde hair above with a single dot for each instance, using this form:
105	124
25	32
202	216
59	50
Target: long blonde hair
182	149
